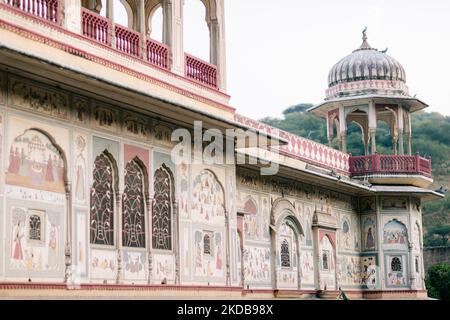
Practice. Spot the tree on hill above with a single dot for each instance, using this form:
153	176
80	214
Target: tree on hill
437	281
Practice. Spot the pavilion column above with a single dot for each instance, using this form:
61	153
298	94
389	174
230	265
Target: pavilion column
412	272
408	142
72	15
344	142
141	26
373	133
217	43
401	150
373	126
342	130
110	16
173	33
400	130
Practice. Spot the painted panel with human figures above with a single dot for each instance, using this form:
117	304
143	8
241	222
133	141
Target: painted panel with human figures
395	233
36	240
257	265
163	268
356	271
369	233
209	254
134	265
80	184
207	197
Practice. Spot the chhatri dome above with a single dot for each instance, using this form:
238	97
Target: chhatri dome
367	71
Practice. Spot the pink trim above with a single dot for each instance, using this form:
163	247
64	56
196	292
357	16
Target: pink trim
67	48
46	10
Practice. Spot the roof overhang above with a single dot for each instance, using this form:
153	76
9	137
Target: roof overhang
412	103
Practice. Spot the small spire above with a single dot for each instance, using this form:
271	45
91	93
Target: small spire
365	45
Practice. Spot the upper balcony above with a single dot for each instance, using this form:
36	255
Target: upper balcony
392	169
88	29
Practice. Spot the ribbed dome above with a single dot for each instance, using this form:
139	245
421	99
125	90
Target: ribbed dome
367	63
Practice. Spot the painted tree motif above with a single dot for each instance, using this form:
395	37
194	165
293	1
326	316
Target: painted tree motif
162	209
102	203
133	215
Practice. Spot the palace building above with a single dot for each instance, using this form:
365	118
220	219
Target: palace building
93	205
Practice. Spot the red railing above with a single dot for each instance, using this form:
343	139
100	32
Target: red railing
201	71
48	10
128	41
95	26
389	164
158	54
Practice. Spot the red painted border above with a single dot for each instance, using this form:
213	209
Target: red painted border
70	49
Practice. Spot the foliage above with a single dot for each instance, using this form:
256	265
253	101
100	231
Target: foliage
430	137
437	281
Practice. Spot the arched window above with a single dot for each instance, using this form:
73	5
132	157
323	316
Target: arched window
133	212
396	264
285	254
196	31
102	202
162	209
156	24
207	244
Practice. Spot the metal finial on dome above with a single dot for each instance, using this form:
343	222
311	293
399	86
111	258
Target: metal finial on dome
364	34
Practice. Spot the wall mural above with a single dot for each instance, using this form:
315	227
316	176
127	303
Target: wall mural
394	203
103	264
134	265
307	265
36	240
395	232
80	110
209	254
35	162
81	244
256	265
265	206
184	190
308	227
369	233
163	268
252	225
357	271
207	199
396	270
80	179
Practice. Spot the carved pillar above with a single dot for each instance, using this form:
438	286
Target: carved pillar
273	243
316	255
72	15
411	269
344	141
68	246
110	16
173	33
408	141
119	278
299	270
373	132
228	252
148	235
176	241
401	150
141	27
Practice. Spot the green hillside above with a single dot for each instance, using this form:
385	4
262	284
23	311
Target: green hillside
431	136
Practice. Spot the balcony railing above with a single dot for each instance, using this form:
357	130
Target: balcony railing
389	165
201	71
48	10
128	41
95	26
158	54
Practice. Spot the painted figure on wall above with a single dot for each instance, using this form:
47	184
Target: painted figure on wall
266	217
369	234
218	240
35	162
207	197
53	246
395	232
80	183
256	264
17	253
251	219
184	190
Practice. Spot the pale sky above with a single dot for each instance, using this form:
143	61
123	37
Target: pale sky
279	52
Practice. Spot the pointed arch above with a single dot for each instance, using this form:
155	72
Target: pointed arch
103	200
134	204
162	211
